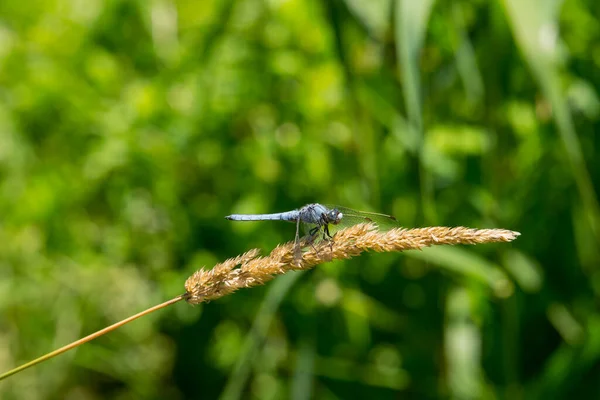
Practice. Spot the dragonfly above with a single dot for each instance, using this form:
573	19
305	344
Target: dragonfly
320	218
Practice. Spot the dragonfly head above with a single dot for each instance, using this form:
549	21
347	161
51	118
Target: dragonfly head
334	216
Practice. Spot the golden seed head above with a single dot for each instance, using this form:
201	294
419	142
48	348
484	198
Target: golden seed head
249	269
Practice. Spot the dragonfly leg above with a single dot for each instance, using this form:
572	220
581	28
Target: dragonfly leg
310	238
312	244
326	232
297	248
327	236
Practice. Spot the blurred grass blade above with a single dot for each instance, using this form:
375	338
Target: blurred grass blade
359	304
565	323
468	265
411	23
587	250
526	272
466	62
411	19
345	370
567	364
535	27
462	347
303	376
238	378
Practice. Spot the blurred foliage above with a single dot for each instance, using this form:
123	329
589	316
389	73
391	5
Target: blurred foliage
128	129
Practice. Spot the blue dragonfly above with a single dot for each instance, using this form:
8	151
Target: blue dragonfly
319	218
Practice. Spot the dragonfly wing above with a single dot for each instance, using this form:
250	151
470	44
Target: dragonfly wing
308	228
353	217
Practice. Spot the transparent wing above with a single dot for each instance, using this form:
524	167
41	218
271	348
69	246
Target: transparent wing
313	234
307	228
352	217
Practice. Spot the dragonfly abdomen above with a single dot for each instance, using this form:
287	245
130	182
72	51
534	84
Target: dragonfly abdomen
284	216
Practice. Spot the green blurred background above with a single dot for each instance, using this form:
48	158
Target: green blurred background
128	129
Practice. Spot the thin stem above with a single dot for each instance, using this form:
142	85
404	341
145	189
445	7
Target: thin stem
91	337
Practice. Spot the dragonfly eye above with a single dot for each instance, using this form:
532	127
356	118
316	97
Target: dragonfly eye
334	217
